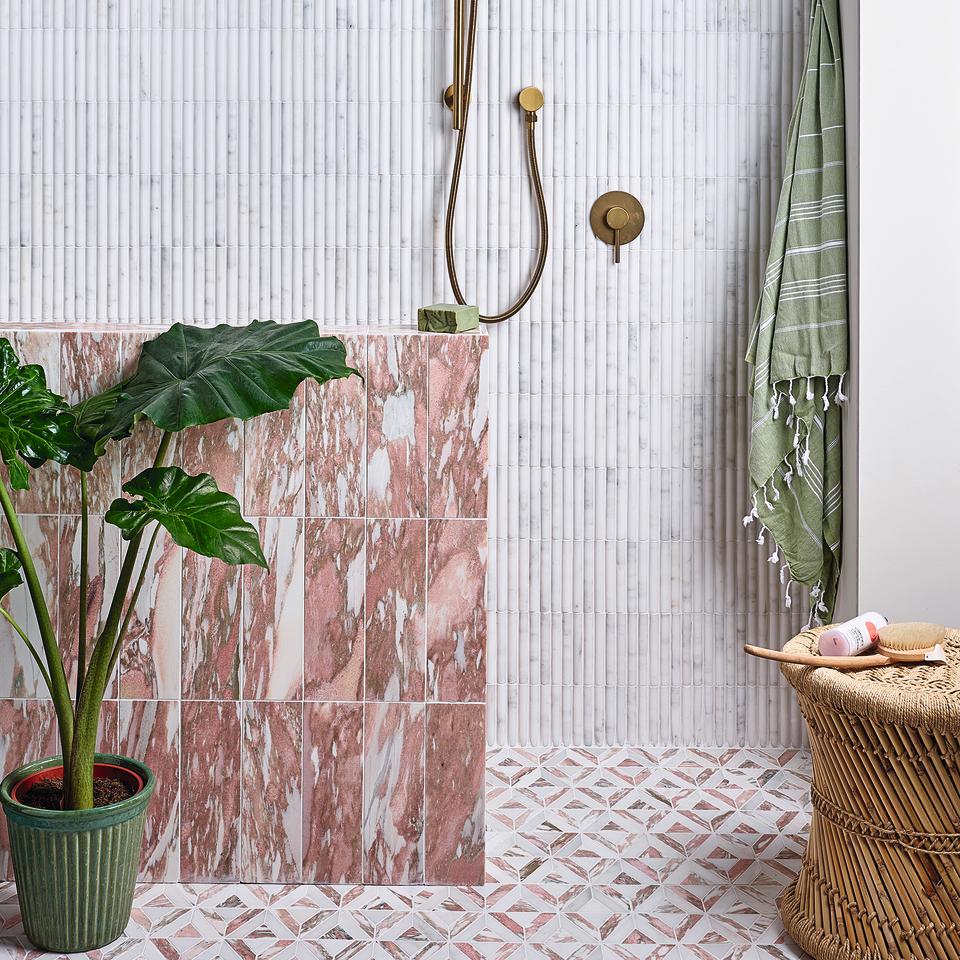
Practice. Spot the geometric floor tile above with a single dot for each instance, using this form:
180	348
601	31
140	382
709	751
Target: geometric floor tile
669	854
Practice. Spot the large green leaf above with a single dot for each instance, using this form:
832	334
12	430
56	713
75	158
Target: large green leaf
92	416
197	514
194	375
35	423
9	571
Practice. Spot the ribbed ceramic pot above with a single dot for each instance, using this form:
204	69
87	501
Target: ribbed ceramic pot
75	869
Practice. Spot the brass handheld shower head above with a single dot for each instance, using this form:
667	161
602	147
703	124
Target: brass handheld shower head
457	98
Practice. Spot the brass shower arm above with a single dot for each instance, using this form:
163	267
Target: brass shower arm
457	94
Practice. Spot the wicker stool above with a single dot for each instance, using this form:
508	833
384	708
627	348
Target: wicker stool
881	874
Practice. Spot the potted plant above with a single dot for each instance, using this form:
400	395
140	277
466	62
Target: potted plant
76	820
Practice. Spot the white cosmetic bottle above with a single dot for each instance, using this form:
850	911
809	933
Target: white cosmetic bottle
853	637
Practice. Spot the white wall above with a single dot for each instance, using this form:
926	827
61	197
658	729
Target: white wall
847	598
172	159
909	424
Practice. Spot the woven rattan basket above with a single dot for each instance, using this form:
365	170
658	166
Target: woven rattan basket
881	874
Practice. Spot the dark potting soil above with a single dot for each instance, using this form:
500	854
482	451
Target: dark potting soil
48	794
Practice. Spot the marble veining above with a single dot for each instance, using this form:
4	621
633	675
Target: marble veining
624	854
393	793
169	160
210	797
333	802
289	713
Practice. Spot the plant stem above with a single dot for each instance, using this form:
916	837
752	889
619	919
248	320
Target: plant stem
80	783
59	690
33	650
84	583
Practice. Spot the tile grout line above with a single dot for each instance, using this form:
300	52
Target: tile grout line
427	511
366	571
303	623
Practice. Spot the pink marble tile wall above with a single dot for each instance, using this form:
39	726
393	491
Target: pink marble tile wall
322	721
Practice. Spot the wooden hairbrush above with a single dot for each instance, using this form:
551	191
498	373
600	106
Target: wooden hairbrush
896	643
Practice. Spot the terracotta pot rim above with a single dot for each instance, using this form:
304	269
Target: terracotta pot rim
51	766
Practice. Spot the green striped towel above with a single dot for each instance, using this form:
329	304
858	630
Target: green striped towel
798	341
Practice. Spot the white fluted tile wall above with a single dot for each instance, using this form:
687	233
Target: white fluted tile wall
170	160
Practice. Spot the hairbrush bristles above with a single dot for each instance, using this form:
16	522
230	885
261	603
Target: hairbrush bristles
912	641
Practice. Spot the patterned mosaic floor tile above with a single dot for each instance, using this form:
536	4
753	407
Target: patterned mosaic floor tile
592	855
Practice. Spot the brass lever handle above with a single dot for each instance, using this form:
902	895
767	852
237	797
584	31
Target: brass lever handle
617	218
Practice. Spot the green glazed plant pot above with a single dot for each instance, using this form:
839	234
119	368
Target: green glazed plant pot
75	869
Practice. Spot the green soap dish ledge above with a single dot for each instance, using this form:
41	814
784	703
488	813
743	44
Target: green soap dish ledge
448	318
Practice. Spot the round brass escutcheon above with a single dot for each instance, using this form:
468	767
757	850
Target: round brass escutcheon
617	210
530	99
448	97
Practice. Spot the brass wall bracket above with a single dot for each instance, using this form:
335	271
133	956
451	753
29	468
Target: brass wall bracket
617	218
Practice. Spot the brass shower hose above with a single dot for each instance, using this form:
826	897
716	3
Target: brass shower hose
531	119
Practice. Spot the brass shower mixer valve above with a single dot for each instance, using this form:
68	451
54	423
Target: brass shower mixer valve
616	218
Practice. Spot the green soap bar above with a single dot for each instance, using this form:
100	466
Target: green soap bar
447	318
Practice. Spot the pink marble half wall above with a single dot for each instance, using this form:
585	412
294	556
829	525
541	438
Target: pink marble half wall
308	723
